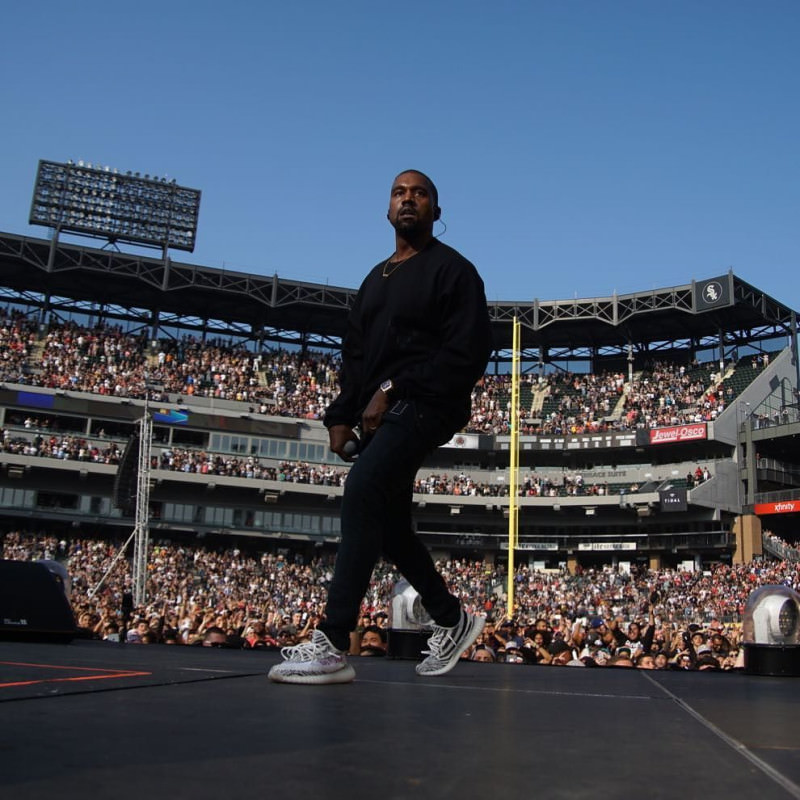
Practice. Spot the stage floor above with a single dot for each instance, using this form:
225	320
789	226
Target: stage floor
96	720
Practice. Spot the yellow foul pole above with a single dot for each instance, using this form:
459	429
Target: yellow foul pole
513	467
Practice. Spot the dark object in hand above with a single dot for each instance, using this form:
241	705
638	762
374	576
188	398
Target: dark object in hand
351	448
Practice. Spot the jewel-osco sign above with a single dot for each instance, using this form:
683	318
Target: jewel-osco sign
678	433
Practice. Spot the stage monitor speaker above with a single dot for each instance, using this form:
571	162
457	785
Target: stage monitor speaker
33	604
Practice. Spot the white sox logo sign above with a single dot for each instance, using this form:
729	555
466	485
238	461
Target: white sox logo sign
712	292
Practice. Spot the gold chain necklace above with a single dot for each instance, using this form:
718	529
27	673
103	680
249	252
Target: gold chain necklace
394	265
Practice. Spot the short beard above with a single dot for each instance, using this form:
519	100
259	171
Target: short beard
409	227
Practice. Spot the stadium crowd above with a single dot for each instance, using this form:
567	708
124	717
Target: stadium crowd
531	485
597	617
196	461
106	360
32	435
202	463
68	448
197	595
568	403
176	459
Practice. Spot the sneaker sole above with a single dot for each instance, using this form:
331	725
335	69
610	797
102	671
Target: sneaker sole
344	675
477	626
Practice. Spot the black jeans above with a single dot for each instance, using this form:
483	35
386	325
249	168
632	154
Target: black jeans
376	521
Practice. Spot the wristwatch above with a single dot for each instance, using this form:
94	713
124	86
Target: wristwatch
387	386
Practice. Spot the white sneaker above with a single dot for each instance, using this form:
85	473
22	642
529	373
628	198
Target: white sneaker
317	661
447	644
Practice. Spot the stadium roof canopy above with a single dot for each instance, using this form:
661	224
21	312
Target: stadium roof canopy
67	278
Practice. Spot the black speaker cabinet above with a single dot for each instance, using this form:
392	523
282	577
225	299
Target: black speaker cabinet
407	644
33	604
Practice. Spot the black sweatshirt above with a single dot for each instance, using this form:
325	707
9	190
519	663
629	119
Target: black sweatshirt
425	326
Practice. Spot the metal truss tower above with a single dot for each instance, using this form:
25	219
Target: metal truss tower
141	531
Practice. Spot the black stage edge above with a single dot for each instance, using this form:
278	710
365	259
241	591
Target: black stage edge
96	720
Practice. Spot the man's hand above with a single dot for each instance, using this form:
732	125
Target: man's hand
373	413
339	436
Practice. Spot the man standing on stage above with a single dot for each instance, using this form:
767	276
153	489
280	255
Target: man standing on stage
417	341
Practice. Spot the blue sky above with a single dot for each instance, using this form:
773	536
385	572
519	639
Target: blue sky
580	148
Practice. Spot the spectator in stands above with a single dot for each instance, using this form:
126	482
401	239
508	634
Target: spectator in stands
640	641
215	637
257	637
138	632
621	659
373	641
110	632
482	652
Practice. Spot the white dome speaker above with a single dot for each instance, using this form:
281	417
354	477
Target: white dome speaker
771	632
409	622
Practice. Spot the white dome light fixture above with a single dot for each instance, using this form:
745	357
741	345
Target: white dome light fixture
771	632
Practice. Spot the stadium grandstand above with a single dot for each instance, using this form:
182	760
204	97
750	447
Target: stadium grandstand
657	429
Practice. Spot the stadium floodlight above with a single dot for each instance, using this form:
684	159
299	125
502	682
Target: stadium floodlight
94	201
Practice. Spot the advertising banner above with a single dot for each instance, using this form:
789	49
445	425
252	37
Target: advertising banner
782	507
678	433
672	499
